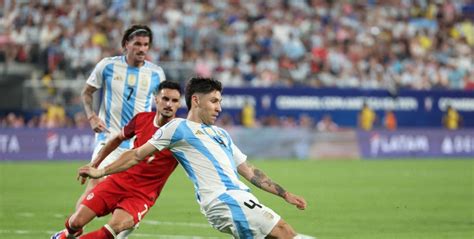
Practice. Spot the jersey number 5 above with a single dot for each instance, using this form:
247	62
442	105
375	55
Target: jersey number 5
131	92
252	204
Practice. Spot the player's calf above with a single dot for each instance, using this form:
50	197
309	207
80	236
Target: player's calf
121	221
78	220
119	226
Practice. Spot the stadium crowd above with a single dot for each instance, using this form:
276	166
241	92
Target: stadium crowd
409	44
392	44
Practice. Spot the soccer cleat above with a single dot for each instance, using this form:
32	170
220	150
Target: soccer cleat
59	235
62	235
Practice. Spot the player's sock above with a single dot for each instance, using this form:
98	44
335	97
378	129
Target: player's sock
71	230
105	232
125	234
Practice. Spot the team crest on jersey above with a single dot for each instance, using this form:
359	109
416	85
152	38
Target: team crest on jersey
131	79
144	82
90	196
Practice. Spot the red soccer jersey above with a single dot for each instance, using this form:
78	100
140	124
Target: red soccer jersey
149	176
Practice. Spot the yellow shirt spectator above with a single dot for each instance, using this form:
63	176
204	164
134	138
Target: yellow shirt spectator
248	116
452	119
367	118
425	42
55	116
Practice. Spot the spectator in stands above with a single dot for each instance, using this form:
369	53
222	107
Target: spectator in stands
80	120
326	124
306	121
14	121
452	119
55	115
366	118
225	121
390	120
248	115
33	122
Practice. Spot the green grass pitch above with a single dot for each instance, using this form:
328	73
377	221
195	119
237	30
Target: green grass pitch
346	199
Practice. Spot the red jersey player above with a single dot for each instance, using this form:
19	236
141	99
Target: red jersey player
129	194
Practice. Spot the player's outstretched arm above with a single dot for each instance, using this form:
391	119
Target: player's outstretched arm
259	179
110	146
124	162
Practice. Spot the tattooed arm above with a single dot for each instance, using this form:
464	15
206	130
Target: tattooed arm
87	99
259	179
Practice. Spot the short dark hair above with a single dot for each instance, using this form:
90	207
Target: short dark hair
137	30
200	85
168	84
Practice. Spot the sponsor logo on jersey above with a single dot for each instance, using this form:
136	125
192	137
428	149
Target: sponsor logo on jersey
90	196
118	78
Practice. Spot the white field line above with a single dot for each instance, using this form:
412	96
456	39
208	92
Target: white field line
181	224
153	222
163	223
26	214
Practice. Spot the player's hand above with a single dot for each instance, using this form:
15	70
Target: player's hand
97	124
81	178
90	172
298	201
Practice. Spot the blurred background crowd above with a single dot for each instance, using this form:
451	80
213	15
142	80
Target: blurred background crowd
402	44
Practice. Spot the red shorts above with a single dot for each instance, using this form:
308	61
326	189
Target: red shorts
108	196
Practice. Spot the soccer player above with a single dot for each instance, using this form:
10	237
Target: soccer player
126	86
129	194
212	161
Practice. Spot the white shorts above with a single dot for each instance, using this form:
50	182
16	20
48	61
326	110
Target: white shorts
241	214
114	155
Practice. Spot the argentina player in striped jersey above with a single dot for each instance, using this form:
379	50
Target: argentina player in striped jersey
126	84
213	163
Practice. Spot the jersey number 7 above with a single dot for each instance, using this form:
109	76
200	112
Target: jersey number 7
131	92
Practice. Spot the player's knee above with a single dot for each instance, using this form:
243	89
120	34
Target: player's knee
121	225
77	221
287	231
282	230
81	217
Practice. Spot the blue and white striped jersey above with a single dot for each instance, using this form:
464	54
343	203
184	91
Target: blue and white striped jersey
207	154
125	91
